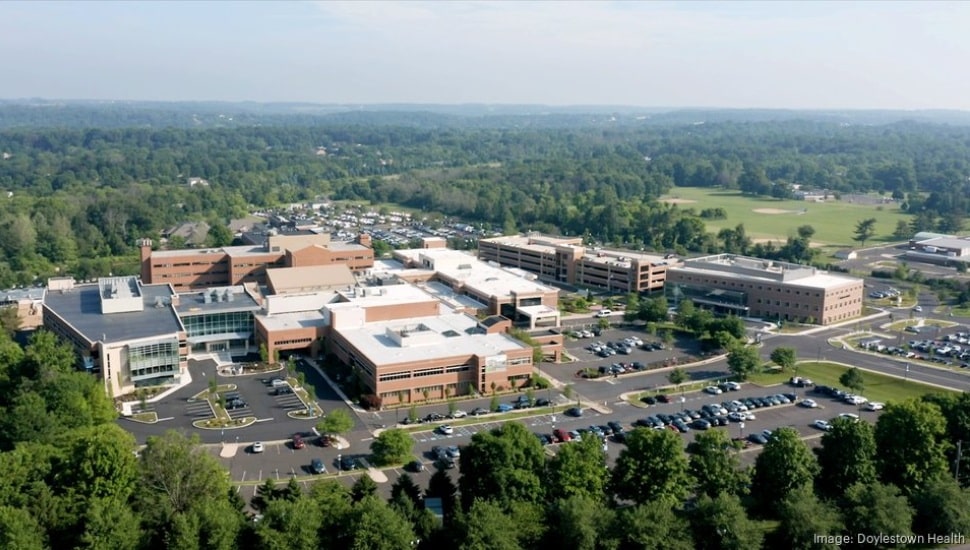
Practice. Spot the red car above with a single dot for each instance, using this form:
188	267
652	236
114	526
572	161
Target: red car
562	436
298	441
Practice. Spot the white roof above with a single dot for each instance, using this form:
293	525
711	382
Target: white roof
373	341
301	319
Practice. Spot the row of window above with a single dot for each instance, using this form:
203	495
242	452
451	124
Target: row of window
294	341
423	372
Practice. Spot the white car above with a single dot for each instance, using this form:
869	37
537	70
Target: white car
874	406
750	416
809	403
850	416
459	414
713	390
857	400
918	309
732	386
604	313
258	447
445	429
822	425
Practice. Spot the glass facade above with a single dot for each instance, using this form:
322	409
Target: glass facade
232	322
159	359
718	300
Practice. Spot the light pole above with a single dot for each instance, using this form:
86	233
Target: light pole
907	372
741	430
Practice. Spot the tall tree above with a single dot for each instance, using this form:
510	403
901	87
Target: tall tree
784	465
743	360
651	467
806	521
484	527
784	357
652	526
852	379
18	529
504	465
375	525
722	523
579	522
714	464
578	470
363	488
941	506
864	230
847	456
910	443
336	422
392	447
875	509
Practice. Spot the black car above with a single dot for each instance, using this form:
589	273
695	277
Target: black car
615	426
544	439
638	365
649	400
575	412
757	438
662	398
415	466
700	424
478	411
348	463
317	467
542	403
282	390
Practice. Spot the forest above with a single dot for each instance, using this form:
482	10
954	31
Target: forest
71	477
77	198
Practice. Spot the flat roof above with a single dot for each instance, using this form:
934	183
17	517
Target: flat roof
547	244
17	294
193	303
372	296
947	242
462	338
821	279
317	277
474	273
444	293
80	307
295	320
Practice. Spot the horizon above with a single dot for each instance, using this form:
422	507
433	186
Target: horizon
908	56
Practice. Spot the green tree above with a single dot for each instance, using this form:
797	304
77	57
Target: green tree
652	526
505	465
910	443
485	527
579	522
263	353
493	404
336	422
847	456
363	488
19	529
784	465
441	486
392	447
653	466
109	523
743	360
784	357
376	526
101	463
176	473
852	379
941	506
219	235
413	414
722	523
804	519
874	509
578	470
289	524
405	488
266	492
902	231
677	376
653	310
714	464
452	407
864	230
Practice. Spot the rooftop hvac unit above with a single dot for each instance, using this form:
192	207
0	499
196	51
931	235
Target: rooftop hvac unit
158	302
229	295
207	298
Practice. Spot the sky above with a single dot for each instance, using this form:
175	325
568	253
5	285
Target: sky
798	55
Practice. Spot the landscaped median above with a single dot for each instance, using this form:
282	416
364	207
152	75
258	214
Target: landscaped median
877	386
221	420
485	418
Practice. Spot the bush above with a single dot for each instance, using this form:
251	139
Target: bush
371	402
540	382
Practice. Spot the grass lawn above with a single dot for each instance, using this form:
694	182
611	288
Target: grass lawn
901	325
953	311
878	387
834	221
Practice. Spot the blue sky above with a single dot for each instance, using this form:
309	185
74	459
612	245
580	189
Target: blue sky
892	55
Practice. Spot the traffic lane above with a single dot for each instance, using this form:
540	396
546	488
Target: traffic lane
958	380
608	387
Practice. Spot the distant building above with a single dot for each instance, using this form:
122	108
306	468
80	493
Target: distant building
846	254
193	182
236	265
192	233
29	305
752	287
567	260
936	248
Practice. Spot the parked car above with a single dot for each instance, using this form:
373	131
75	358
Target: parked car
808	403
445	429
454	451
348	463
822	425
459	414
478	411
874	406
575	412
850	416
414	466
758	438
298	441
257	447
317	467
505	407
713	390
283	390
732	386
543	402
562	436
604	313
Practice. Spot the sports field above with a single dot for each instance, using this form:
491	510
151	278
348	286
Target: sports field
773	219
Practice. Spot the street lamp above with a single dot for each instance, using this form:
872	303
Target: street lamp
741	430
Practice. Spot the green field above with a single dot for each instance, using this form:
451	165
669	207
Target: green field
878	387
834	221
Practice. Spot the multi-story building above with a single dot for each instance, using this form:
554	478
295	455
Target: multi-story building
752	287
236	265
123	331
566	260
27	302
